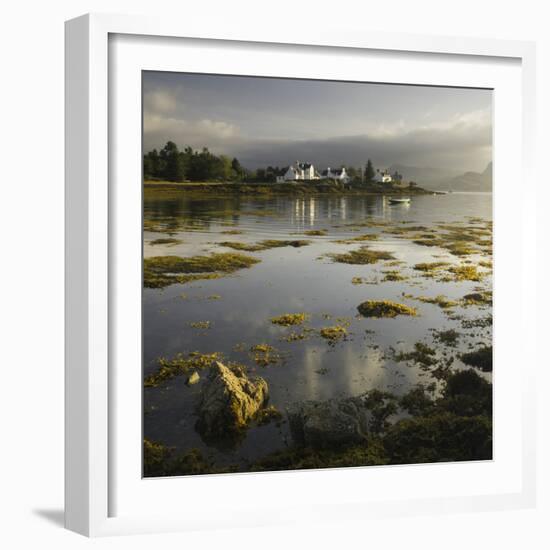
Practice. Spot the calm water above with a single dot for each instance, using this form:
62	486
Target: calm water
296	280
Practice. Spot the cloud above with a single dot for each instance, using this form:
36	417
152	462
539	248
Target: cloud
458	145
160	101
457	141
164	119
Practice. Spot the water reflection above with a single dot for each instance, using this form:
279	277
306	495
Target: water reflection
291	280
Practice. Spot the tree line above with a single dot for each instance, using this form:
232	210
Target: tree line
171	164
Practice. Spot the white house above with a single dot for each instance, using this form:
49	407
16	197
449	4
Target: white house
335	174
303	171
382	176
299	171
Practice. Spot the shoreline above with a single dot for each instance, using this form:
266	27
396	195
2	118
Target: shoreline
281	189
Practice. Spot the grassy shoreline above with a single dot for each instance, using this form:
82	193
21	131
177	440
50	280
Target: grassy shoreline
280	188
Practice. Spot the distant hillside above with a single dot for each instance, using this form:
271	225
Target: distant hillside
425	176
474	181
438	179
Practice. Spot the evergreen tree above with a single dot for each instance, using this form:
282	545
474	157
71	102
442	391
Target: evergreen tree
173	163
369	171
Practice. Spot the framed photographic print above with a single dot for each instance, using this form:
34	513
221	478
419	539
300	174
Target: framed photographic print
292	271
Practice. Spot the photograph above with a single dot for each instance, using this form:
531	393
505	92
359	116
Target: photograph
317	274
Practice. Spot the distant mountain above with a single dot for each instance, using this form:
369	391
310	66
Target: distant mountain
474	181
425	176
439	179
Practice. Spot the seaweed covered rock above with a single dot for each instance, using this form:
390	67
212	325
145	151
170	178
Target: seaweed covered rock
481	358
329	423
440	437
229	400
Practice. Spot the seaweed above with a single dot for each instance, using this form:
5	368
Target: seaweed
161	271
334	334
422	354
478	298
200	324
384	308
290	319
393	275
481	358
466	273
358	239
362	256
442	301
263	245
178	365
167	240
269	414
447	337
264	355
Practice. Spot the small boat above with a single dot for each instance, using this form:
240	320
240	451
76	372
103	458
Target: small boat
395	200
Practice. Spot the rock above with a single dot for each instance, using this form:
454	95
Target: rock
229	400
193	378
329	423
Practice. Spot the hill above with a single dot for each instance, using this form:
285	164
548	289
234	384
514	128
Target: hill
439	179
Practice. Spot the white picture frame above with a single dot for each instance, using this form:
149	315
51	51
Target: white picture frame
93	229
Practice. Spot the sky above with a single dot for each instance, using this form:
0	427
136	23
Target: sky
274	121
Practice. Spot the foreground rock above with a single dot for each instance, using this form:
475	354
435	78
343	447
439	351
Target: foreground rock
193	378
329	423
229	400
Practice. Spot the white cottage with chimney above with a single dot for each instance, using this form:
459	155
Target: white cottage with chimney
338	174
299	171
383	176
304	171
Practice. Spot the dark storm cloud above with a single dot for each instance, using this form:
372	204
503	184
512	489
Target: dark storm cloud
277	121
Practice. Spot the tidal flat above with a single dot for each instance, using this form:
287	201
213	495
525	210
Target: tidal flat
381	318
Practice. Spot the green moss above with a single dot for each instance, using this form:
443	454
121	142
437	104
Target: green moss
480	359
384	308
168	240
362	256
161	271
290	319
